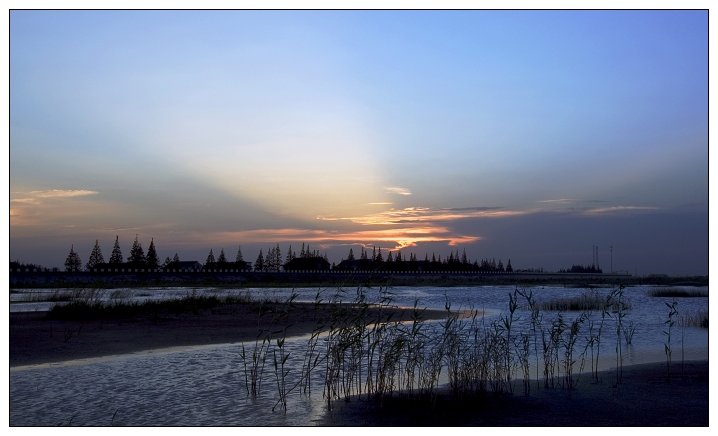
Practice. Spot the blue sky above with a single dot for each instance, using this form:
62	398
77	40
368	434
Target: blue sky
529	135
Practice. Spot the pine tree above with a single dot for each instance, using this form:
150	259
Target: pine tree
301	253
509	268
176	258
137	254
166	262
210	262
116	256
259	263
73	262
464	259
373	255
277	258
222	259
363	253
289	255
389	258
269	260
153	261
379	257
351	254
501	266
95	256
239	257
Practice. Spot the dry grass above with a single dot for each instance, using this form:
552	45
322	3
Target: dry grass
672	292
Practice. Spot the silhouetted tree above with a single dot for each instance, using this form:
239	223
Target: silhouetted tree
509	268
464	259
153	261
259	263
166	262
500	266
73	262
239	257
176	258
289	255
363	254
116	256
137	254
373	255
222	259
95	256
210	262
351	255
379	257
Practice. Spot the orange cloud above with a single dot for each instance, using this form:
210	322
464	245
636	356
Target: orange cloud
399	238
425	215
58	193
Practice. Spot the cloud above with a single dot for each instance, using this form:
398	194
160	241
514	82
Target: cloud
616	209
426	215
58	193
397	190
399	237
381	203
560	200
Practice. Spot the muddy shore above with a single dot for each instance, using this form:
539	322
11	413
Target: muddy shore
35	339
644	398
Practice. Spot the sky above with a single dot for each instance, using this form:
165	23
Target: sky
522	135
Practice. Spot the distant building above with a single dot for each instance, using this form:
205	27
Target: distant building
349	265
307	264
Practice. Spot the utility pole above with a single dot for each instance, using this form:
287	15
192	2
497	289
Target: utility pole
611	250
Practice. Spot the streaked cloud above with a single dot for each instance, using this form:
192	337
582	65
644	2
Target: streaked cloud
397	190
380	203
398	238
425	214
560	200
617	209
58	193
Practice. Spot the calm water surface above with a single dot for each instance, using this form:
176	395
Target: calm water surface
206	385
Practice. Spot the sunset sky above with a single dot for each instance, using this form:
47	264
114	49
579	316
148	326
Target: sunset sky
529	135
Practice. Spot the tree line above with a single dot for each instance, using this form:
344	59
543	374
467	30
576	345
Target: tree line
395	261
274	261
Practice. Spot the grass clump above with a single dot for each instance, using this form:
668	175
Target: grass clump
92	309
696	319
672	292
585	302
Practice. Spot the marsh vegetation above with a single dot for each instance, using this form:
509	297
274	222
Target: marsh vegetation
351	353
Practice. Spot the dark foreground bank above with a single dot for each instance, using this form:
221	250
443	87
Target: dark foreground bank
36	338
644	398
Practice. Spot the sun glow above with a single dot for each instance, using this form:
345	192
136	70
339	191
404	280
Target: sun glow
399	237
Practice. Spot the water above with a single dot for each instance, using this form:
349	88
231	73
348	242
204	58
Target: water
206	385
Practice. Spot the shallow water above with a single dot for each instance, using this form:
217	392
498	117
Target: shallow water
206	385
